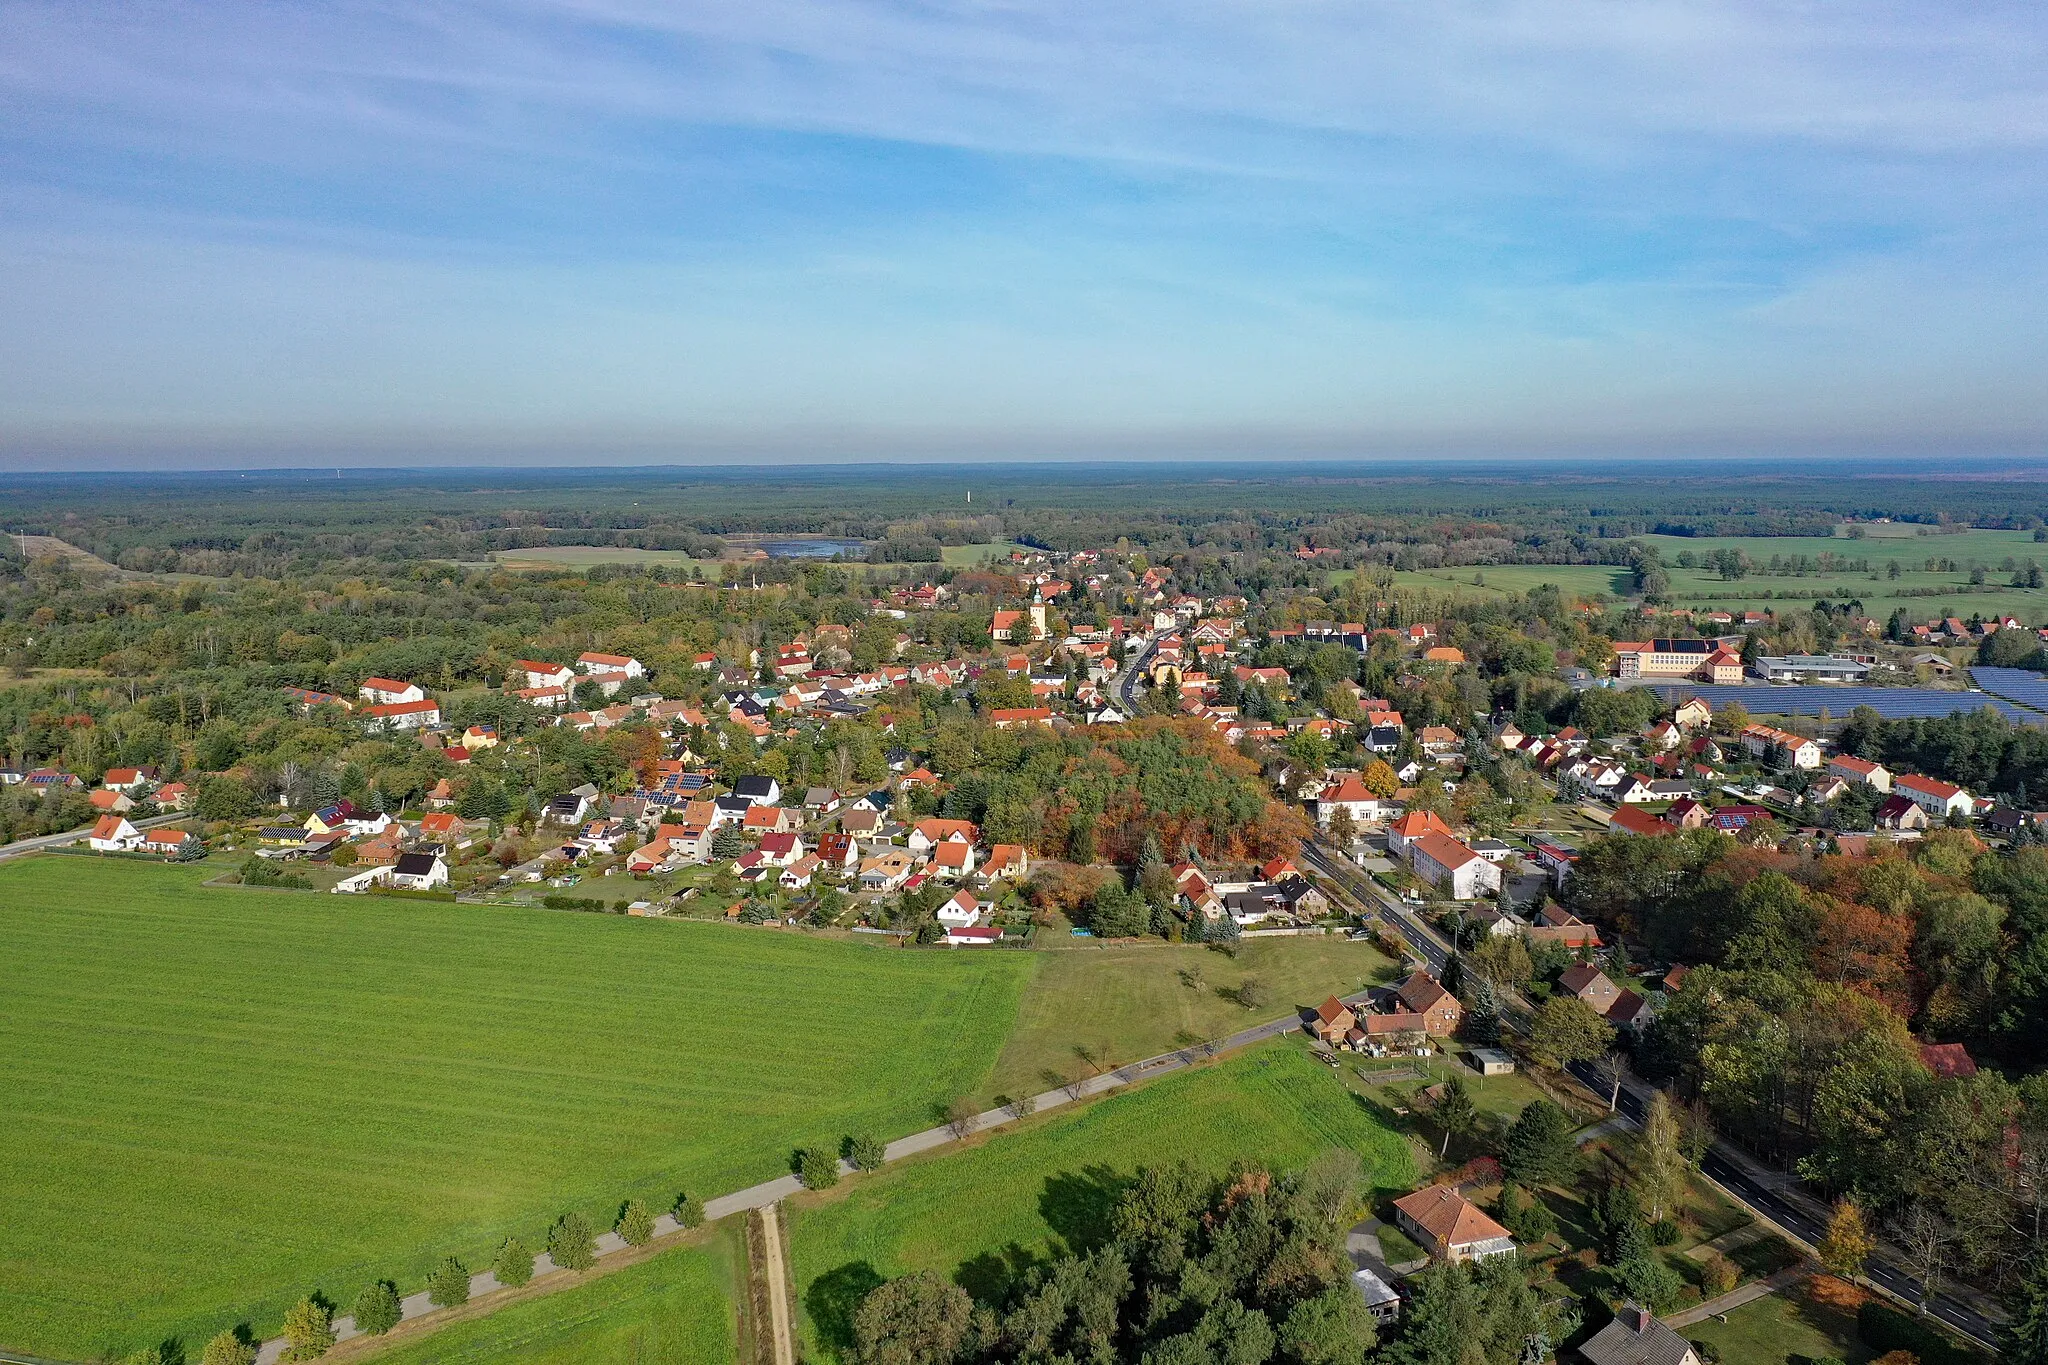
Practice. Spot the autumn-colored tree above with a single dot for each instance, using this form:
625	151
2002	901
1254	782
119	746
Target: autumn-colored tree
1379	778
1848	1242
1863	948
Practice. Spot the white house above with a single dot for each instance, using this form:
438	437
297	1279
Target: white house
611	663
974	936
1452	867
1938	798
540	674
1349	794
961	911
113	834
1853	769
402	715
390	691
1795	751
419	872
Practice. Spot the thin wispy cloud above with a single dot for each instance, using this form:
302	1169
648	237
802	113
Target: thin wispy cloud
1025	222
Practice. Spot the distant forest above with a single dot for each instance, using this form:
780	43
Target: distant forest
268	523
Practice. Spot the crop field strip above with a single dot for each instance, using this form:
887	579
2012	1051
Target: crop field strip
1029	1190
219	1102
674	1309
1893	703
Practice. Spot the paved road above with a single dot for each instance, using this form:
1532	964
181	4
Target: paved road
1777	1196
72	836
1741	1295
1126	683
770	1192
1781	1198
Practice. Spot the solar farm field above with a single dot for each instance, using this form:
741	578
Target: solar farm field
217	1101
981	1215
2022	685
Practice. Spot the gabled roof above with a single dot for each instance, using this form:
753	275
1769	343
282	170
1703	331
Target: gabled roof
1422	993
1416	823
1579	977
1445	851
1930	786
1951	1061
1332	1010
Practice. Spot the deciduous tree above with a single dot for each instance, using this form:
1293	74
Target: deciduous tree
377	1309
571	1244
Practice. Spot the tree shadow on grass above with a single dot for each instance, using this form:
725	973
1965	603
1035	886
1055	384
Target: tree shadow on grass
834	1296
1079	1206
992	1277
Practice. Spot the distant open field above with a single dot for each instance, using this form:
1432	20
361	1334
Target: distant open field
589	557
966	556
216	1102
1874	586
675	1309
982	1215
1502	580
1127	1003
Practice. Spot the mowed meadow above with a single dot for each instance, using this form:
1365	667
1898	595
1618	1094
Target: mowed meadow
984	1216
217	1101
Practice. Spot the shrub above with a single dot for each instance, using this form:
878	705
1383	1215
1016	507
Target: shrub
308	1330
1718	1275
377	1310
636	1225
1665	1232
448	1286
863	1152
228	1348
818	1168
571	1244
515	1263
263	872
689	1210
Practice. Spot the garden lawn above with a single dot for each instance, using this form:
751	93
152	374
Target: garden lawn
1124	1004
217	1101
675	1309
980	1215
1790	1327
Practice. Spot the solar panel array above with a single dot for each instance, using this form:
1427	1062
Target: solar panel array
2022	685
1893	703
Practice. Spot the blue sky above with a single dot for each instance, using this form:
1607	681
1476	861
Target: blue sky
797	229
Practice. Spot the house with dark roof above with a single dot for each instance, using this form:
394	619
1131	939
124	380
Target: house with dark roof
1636	1337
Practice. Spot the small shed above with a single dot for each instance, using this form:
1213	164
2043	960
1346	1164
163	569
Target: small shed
1490	1061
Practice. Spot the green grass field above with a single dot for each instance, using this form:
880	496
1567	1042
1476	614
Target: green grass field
675	1309
1502	580
590	556
1880	595
967	556
981	1215
1126	1004
1781	1329
215	1102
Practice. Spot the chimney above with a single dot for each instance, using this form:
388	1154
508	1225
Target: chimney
1638	1318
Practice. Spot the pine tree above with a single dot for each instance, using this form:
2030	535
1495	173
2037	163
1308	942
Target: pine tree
448	1286
308	1330
1481	1025
1454	1112
727	845
1539	1146
515	1263
2026	1333
228	1349
570	1243
377	1309
636	1224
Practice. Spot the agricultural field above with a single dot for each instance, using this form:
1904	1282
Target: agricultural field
984	1214
590	556
1122	1004
1500	580
676	1308
218	1101
968	556
1874	587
